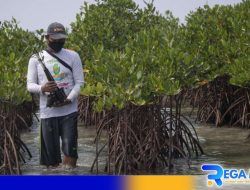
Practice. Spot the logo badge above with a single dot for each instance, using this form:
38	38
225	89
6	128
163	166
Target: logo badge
56	69
219	175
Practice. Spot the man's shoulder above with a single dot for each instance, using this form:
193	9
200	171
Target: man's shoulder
35	56
70	52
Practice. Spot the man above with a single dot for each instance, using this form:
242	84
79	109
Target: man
58	120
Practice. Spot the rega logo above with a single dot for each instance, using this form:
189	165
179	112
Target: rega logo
220	175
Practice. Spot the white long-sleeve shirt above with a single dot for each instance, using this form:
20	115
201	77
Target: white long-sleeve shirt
69	81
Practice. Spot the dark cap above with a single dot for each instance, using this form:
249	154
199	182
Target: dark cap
56	31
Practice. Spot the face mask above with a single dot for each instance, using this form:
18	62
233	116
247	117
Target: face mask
56	46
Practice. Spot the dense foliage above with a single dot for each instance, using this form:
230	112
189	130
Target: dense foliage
132	54
219	41
16	46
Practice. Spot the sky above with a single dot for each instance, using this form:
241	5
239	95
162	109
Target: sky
37	14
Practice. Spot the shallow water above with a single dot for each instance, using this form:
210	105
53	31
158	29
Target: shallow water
86	154
225	146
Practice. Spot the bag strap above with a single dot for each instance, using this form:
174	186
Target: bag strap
60	60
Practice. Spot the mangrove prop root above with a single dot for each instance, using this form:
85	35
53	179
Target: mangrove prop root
221	103
144	138
86	112
13	118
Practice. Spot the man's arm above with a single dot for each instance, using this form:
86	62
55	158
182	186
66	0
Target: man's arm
32	77
77	72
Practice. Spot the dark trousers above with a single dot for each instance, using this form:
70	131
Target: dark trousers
51	131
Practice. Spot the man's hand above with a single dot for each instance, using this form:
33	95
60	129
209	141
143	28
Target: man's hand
67	101
50	86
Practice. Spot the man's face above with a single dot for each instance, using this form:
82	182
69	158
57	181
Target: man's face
55	44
